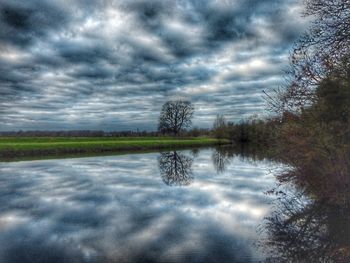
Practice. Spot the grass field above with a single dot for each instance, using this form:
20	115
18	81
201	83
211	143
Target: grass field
25	146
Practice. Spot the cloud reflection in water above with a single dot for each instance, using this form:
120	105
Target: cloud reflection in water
118	209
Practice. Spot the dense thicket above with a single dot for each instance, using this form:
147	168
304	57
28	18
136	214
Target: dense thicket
314	139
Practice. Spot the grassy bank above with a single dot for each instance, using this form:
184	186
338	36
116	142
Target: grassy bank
28	146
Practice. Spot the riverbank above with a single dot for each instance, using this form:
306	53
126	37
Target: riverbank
14	147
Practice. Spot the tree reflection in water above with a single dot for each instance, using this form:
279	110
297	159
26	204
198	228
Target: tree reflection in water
176	168
222	157
312	223
302	230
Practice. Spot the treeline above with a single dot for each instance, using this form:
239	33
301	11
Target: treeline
74	133
194	132
77	133
324	125
253	131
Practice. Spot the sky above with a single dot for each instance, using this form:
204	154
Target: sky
111	65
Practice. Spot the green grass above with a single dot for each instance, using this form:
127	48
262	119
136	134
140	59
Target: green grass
22	146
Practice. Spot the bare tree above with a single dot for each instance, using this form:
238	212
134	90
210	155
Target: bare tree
175	116
324	47
220	127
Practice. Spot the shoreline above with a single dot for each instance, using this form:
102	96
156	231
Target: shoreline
11	149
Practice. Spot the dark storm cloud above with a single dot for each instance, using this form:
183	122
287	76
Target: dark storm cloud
112	64
24	21
217	24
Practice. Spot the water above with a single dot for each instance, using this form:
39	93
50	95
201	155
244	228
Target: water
184	206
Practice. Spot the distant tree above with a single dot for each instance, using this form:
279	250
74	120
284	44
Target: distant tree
220	127
175	116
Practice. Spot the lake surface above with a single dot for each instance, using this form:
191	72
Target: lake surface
178	206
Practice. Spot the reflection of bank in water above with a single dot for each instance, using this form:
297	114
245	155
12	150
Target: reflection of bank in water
222	156
176	168
313	231
312	224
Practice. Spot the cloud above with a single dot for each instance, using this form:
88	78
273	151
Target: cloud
22	22
112	64
47	210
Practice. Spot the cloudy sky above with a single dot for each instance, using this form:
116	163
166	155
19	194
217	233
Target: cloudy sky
104	64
